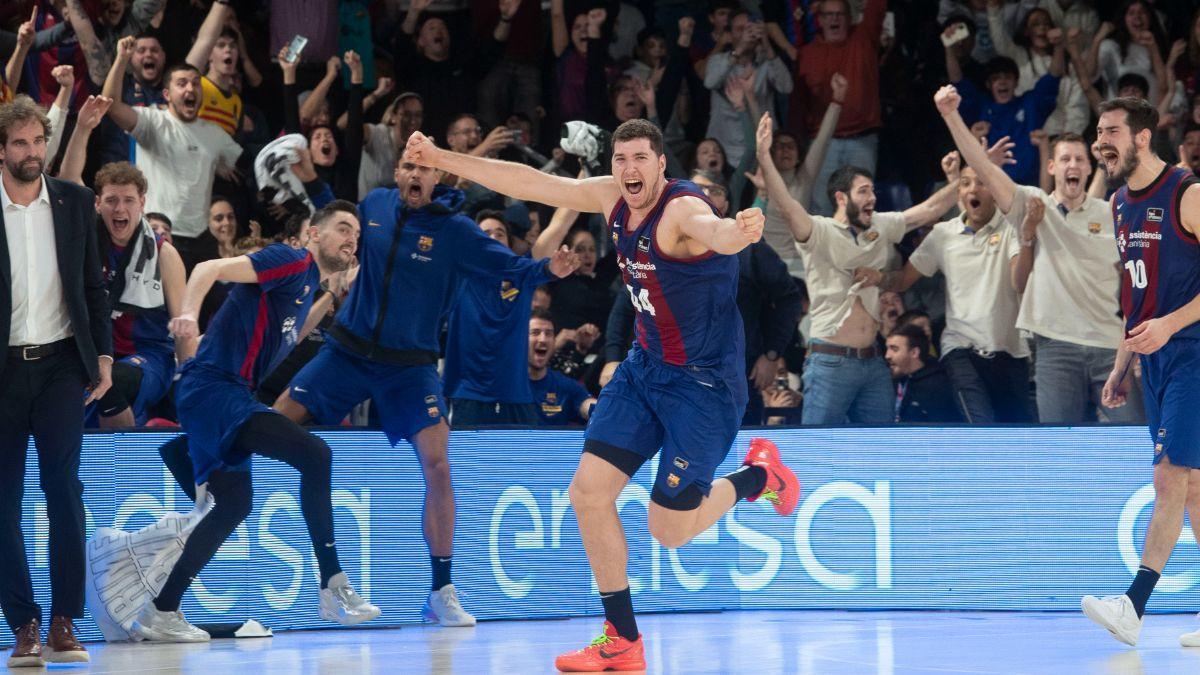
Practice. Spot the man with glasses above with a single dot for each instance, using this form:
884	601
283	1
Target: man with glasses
853	52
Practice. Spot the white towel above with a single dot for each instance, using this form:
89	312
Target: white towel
272	169
142	278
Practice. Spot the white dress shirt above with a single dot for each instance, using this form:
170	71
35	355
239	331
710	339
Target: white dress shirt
39	310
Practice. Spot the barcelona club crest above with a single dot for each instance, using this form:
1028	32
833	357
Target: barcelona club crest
425	243
507	291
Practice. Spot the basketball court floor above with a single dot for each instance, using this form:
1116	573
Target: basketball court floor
757	642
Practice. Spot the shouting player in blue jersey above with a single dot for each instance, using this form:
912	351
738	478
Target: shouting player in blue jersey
263	318
416	249
683	387
1157	219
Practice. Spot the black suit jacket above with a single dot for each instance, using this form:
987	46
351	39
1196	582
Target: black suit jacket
74	211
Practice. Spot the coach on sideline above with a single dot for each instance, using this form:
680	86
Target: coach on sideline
54	311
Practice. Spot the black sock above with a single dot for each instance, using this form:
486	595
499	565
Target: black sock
618	610
327	562
748	480
1141	588
441	571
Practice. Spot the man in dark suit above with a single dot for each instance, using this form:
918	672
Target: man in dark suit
923	391
54	313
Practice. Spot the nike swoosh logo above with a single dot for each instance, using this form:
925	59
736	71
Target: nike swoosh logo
302	391
613	655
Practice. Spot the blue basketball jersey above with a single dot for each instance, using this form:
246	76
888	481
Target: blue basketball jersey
260	323
1161	259
687	313
139	331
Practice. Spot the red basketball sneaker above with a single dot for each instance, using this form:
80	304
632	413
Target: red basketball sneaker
782	488
610	651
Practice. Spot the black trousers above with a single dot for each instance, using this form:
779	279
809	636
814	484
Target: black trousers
269	435
42	398
990	389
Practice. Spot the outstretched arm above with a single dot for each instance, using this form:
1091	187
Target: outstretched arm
25	35
519	181
1002	187
930	210
90	114
798	219
210	30
98	60
552	237
722	235
121	113
204	275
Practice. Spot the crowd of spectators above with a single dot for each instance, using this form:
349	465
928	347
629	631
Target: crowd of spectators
238	142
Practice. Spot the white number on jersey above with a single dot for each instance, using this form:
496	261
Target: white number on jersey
641	301
1137	273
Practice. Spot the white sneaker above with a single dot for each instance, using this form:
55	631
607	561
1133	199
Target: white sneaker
1191	639
443	607
1116	613
157	626
339	603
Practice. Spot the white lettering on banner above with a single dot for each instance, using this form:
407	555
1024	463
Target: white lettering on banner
760	542
878	506
292	558
528	539
1168	583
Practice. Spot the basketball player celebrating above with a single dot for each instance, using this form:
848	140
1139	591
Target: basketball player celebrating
1157	214
683	387
261	321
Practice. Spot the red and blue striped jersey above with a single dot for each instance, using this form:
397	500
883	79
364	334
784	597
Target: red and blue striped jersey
687	313
1161	259
260	323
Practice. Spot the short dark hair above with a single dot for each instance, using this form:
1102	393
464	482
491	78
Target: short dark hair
1066	137
120	173
293	226
149	34
1136	81
331	209
1189	128
1000	65
543	314
715	5
911	315
155	215
842	179
484	214
1139	114
20	110
176	68
634	129
650	32
217	199
229	33
460	117
916	338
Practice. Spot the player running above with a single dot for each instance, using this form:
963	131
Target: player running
1157	214
683	387
260	322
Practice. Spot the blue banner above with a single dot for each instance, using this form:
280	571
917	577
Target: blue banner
893	518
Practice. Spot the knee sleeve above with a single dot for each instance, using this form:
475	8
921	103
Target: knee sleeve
626	460
126	381
689	498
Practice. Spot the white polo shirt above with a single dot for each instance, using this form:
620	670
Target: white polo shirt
180	160
830	257
1072	294
39	309
981	305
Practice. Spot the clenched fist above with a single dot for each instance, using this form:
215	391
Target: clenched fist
750	222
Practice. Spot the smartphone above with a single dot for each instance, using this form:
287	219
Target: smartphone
889	25
294	48
956	36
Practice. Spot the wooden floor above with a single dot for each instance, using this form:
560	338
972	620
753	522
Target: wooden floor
881	643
